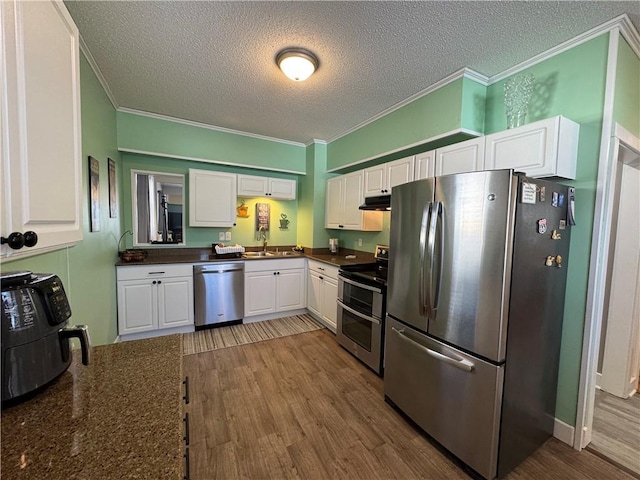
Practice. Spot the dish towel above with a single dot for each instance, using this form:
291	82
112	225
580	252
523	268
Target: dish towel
221	249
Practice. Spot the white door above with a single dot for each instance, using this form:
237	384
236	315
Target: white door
42	173
461	157
374	181
335	202
212	198
282	188
314	293
399	172
175	302
424	165
259	293
353	198
329	302
290	289
252	186
137	306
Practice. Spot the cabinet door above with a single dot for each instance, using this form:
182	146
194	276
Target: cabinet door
291	292
175	302
374	181
334	203
541	149
41	165
461	157
282	188
137	306
252	186
353	198
399	172
314	293
259	293
425	165
212	198
329	302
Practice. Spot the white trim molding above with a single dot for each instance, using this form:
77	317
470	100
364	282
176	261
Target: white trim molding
191	123
471	133
563	432
207	160
98	73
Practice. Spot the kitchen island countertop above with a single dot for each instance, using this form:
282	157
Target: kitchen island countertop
119	417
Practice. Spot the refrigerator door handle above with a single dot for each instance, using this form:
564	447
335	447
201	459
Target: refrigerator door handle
424	299
434	286
462	364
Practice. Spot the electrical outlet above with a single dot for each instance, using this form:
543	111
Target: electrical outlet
221	236
359	242
227	235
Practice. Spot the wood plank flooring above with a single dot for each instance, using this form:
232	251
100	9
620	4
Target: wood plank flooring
301	407
616	429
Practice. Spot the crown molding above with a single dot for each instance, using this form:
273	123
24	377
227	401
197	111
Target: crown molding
98	73
315	140
207	160
463	72
621	22
191	123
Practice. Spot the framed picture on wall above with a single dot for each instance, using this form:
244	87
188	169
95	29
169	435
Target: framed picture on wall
113	201
94	195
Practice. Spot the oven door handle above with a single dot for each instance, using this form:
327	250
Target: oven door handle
360	285
361	315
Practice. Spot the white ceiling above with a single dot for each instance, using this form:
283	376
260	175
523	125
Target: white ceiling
213	62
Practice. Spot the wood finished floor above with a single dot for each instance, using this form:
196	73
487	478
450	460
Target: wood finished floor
616	429
301	407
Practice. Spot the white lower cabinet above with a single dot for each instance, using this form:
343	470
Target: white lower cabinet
322	293
272	286
154	298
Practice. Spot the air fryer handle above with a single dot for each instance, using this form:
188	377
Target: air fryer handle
81	332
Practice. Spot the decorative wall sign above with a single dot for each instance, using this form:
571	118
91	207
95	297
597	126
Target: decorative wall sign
94	194
263	211
113	200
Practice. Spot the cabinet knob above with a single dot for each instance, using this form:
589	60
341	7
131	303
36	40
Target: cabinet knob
154	282
30	238
15	240
159	282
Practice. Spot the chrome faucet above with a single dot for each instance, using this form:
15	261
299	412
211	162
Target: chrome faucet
263	237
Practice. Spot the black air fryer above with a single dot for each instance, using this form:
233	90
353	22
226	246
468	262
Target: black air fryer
35	335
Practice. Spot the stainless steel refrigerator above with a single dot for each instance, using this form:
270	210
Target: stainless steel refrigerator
475	303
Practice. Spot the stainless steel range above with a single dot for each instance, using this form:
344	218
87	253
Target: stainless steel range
362	291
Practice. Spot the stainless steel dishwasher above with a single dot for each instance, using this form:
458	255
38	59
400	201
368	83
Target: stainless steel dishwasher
218	293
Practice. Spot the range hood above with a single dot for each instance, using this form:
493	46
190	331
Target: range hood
383	202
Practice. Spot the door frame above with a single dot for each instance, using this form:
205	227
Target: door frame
599	266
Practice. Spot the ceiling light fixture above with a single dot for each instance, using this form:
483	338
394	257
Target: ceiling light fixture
297	63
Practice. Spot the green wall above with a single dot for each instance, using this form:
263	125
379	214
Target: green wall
626	106
178	140
87	270
312	197
244	233
459	104
570	84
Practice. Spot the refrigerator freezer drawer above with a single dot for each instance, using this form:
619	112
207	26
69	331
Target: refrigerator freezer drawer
454	397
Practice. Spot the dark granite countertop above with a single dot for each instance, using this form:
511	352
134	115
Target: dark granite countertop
120	417
195	255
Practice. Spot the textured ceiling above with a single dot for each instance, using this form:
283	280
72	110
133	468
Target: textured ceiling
213	62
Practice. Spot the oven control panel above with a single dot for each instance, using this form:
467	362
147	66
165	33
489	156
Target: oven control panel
382	252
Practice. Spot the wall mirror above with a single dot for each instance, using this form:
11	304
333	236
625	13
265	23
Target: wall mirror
158	208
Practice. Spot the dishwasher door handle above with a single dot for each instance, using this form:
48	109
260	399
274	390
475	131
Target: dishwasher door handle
205	272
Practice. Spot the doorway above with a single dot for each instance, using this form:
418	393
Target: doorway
616	414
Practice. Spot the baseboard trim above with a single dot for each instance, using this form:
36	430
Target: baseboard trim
598	381
154	333
564	432
274	315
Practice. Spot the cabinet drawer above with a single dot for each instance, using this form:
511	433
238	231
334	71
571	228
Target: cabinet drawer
324	269
268	265
141	272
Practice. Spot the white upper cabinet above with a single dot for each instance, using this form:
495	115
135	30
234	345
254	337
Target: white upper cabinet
467	156
379	180
424	165
41	145
255	186
540	149
212	198
344	196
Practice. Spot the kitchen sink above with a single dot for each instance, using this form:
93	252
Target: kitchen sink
255	254
284	254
